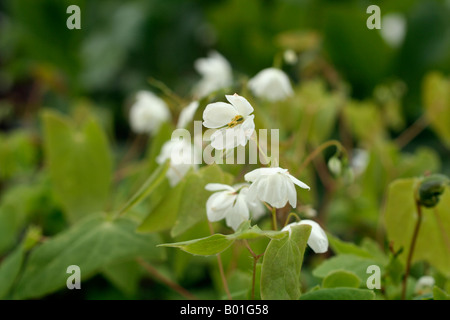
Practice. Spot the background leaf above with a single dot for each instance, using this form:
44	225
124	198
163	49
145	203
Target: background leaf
341	278
280	273
433	242
79	162
92	244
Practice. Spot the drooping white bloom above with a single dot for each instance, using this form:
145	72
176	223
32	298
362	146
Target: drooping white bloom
182	157
274	186
271	84
216	74
148	113
290	56
187	114
424	284
393	29
318	240
233	121
359	161
231	204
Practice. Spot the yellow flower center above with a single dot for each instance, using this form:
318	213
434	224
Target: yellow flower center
236	120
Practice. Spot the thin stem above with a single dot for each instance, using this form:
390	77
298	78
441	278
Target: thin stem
274	219
261	151
292	214
221	270
255	262
166	90
158	276
318	150
411	248
410	133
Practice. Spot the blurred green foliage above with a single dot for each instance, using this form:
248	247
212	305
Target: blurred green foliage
66	165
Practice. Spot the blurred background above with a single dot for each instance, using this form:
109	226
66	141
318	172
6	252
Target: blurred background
122	44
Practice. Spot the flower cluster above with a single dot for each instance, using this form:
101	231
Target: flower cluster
273	186
233	125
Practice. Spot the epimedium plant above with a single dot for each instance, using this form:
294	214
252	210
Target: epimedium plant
117	217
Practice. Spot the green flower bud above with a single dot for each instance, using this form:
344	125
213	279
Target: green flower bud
335	166
431	189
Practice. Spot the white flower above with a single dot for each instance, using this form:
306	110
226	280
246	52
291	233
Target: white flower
271	84
231	204
233	120
274	186
359	161
318	240
148	112
290	56
216	74
187	114
182	158
424	284
393	29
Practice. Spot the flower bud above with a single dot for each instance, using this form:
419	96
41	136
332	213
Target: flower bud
431	189
335	166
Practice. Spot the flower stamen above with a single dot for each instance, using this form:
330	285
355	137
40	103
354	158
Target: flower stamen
236	120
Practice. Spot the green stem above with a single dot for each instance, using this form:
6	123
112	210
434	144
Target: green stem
255	262
160	277
411	248
274	219
261	151
166	90
292	214
221	270
318	150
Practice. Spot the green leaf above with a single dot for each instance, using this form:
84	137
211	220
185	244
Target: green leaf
341	278
15	210
342	247
432	244
147	188
124	275
339	294
439	294
205	246
245	231
184	205
9	270
80	164
18	154
164	215
436	100
192	207
347	262
92	244
280	274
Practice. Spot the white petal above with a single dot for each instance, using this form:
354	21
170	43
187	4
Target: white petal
218	114
216	74
291	193
217	205
255	174
248	127
298	182
187	114
252	193
243	107
318	240
238	213
148	112
218	187
271	84
225	138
